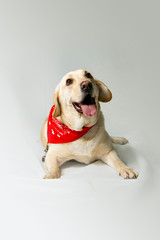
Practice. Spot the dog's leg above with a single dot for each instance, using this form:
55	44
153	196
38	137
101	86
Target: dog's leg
51	165
114	161
119	140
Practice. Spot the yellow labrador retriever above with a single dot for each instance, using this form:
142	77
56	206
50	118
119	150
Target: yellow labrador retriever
76	102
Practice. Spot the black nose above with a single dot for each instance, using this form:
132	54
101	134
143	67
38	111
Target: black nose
86	86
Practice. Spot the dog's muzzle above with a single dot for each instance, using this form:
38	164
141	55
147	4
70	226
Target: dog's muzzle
86	86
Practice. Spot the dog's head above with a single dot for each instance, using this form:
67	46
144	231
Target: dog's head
77	97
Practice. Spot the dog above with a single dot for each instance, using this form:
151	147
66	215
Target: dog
77	125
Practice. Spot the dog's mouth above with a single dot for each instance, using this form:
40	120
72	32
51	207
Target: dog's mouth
87	106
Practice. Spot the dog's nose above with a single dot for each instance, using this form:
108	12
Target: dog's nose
86	86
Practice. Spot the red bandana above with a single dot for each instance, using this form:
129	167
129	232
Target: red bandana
57	132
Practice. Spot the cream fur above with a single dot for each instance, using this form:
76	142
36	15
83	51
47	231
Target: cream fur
96	144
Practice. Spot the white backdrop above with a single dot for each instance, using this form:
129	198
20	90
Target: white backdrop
118	42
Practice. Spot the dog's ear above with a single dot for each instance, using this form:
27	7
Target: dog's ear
57	110
105	94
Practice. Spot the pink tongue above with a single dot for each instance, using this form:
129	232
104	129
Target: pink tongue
89	110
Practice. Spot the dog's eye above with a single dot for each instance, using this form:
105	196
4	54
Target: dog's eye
88	75
69	81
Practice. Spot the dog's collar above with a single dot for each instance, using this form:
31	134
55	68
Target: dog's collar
57	132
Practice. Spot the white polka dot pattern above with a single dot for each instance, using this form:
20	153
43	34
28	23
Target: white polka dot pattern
60	133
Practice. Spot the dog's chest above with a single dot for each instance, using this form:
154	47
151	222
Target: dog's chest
88	146
83	148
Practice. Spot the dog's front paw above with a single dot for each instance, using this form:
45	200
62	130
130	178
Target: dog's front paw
128	173
50	175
